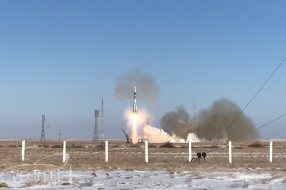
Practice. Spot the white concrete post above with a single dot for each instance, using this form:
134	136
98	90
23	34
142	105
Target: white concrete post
270	152
23	150
190	151
64	151
229	152
146	151
106	151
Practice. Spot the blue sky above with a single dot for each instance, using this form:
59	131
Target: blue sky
59	57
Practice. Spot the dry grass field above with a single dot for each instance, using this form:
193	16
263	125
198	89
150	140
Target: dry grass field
86	156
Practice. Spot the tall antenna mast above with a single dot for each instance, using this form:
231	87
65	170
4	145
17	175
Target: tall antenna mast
96	129
43	129
101	136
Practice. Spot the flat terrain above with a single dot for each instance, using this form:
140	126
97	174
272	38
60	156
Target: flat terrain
122	156
168	166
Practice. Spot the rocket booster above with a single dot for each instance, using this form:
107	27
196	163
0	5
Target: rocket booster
134	101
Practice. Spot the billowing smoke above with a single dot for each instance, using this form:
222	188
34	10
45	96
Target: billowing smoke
177	122
147	88
155	135
218	122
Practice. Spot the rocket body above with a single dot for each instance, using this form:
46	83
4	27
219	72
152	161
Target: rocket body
134	101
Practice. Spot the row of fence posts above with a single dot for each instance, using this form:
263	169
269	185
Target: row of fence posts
230	151
65	155
146	151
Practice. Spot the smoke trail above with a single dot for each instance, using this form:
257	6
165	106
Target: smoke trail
213	122
155	135
177	122
146	86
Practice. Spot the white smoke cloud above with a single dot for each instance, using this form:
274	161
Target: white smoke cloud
146	131
156	135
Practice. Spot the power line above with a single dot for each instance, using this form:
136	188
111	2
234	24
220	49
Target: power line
239	114
260	126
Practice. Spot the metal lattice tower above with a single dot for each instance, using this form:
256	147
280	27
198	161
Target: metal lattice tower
96	129
43	129
101	131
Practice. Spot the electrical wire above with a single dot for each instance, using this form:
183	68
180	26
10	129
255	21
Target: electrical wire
260	127
239	114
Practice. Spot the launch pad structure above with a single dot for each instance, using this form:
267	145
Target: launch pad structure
98	134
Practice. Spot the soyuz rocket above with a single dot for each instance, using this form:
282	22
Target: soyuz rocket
134	101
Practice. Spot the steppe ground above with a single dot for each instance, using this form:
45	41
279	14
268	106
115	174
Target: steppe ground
87	156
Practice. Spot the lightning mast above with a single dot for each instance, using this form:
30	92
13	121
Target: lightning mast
101	135
96	129
43	129
98	133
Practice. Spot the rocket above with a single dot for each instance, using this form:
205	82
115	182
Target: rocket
134	101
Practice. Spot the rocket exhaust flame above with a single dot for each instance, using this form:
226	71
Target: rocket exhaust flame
136	123
139	130
134	132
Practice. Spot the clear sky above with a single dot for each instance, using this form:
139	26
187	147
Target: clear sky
59	57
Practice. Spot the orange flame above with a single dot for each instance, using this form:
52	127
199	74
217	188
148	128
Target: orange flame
134	134
135	121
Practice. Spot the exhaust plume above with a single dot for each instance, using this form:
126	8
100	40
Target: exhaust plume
155	135
177	122
135	123
146	85
214	123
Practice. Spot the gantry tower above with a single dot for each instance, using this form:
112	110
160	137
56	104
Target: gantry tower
101	131
98	133
96	129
